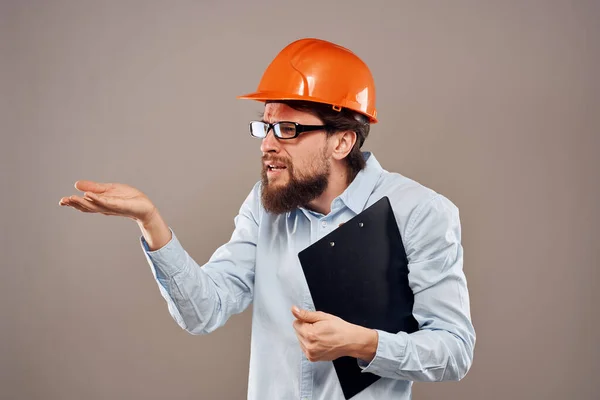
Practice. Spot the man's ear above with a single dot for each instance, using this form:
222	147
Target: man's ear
343	142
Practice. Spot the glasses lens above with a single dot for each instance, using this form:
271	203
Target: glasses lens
258	129
285	130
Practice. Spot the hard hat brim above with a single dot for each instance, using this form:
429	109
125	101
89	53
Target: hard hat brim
274	96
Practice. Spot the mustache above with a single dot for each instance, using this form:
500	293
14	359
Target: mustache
275	159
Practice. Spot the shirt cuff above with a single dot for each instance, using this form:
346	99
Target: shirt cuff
391	349
170	259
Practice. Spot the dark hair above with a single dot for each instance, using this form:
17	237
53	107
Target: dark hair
338	121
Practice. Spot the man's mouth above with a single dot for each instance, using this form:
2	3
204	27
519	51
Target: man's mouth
274	165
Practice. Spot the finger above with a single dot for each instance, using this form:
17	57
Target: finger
307	316
298	313
299	334
304	349
88	208
91	206
302	331
97	207
91	196
79	207
82	203
111	204
68	202
298	326
92	186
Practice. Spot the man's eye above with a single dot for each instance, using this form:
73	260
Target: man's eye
286	130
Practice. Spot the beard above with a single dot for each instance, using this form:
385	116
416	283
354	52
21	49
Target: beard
300	189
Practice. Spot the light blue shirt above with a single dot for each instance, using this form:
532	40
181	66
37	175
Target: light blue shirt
260	265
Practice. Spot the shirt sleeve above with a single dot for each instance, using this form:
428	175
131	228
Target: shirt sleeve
442	348
201	299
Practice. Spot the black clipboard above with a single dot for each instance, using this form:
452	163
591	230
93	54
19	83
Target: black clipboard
359	272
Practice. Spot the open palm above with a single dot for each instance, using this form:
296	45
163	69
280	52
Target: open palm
111	199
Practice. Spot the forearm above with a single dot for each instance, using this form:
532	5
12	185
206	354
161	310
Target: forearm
426	355
193	300
201	298
155	231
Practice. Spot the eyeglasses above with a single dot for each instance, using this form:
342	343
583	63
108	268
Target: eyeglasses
281	129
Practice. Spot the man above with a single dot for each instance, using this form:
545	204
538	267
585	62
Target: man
319	104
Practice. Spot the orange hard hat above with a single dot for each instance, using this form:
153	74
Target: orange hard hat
319	71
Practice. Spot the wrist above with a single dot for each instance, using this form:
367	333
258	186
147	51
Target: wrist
365	346
151	219
155	231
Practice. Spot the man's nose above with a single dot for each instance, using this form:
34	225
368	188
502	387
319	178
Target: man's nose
270	144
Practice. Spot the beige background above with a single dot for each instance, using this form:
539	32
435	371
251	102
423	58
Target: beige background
494	104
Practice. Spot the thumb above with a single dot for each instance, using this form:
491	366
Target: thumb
305	315
90	186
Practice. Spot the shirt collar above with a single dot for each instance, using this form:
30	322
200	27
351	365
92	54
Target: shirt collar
358	192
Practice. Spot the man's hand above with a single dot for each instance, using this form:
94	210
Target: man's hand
124	201
111	199
325	337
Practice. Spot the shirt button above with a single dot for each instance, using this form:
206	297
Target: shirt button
324	224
